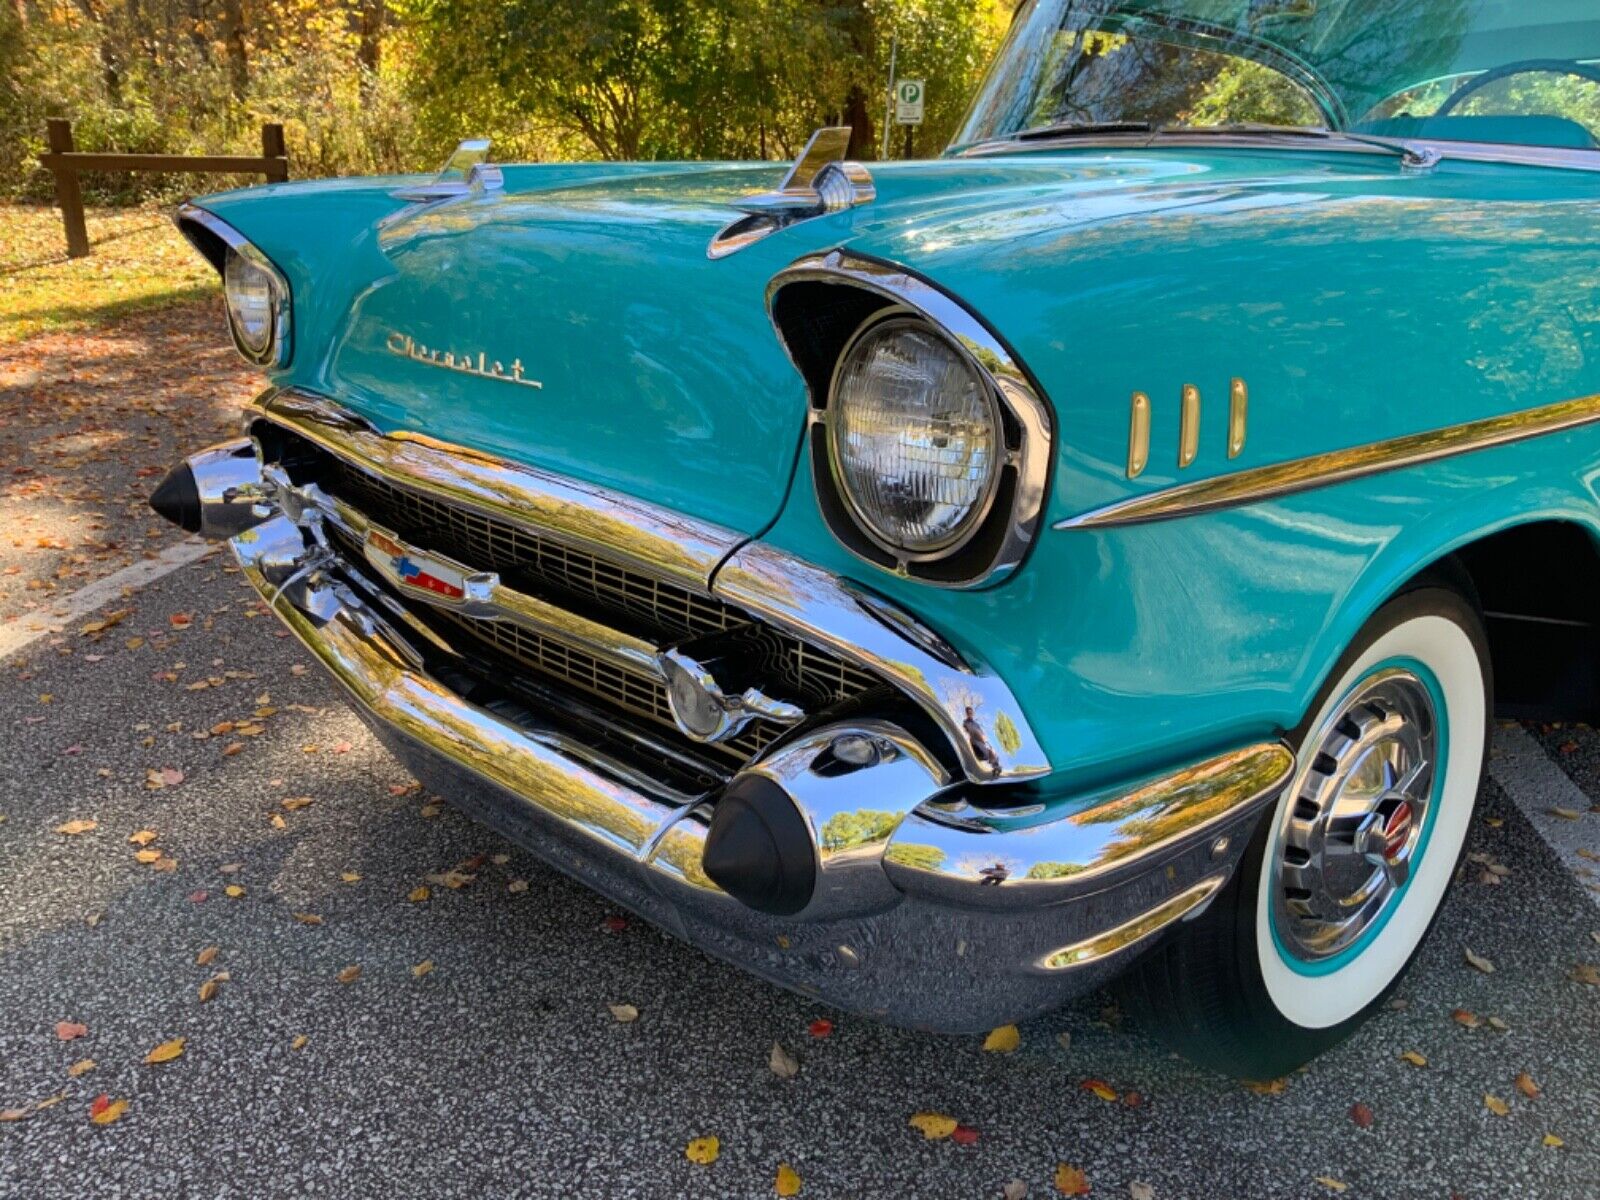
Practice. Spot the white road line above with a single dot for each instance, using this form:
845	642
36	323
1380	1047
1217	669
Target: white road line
1537	785
21	632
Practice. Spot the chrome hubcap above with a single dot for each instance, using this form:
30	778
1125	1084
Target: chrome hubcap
1346	843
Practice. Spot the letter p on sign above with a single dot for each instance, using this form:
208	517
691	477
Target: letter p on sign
909	95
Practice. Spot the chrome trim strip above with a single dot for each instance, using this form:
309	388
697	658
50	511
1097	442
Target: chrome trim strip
1032	860
1238	415
281	349
607	524
1016	393
1189	425
1339	466
1186	903
995	744
1138	435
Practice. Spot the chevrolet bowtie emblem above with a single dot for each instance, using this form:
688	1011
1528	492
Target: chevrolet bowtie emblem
407	347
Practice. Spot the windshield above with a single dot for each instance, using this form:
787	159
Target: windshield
1515	71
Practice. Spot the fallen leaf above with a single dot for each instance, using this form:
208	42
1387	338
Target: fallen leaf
78	825
1099	1088
1070	1181
613	923
428	811
783	1064
1016	1189
1332	1184
422	968
105	1110
15	1114
1497	1024
349	975
517	885
50	1102
1480	963
1552	1142
1270	1087
964	1135
703	1150
787	1182
625	1014
1003	1040
1462	1016
1414	1058
294	804
66	1031
820	1028
81	1067
1138	1190
1525	1084
167	1051
233	891
933	1126
1361	1114
1495	1105
1566	814
349	877
147	856
1585	973
166	864
299	1042
143	838
418	894
206	956
306	918
277	821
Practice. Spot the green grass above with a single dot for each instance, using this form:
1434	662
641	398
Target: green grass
138	261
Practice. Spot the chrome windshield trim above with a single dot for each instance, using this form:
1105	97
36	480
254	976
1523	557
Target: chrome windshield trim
1014	389
1339	466
995	743
611	526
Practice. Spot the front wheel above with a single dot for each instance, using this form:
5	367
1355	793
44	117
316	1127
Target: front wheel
1344	877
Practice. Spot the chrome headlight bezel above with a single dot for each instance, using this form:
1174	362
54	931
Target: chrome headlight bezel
821	307
219	242
889	321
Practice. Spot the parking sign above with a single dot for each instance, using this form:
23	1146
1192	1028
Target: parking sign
908	98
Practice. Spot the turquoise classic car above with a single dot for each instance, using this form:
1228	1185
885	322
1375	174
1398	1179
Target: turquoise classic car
945	587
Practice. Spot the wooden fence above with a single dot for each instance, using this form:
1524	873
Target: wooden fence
65	164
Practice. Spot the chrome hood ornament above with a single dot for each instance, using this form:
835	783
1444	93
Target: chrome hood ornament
467	171
820	182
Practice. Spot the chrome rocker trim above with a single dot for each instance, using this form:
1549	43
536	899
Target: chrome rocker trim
800	598
906	945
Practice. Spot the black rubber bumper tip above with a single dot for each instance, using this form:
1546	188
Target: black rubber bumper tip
178	499
759	848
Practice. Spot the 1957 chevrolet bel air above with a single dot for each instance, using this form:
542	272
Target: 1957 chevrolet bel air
943	587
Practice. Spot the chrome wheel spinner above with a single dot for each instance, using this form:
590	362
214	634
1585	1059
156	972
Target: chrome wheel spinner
1346	843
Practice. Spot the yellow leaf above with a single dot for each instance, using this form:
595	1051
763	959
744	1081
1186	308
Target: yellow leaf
147	856
1100	1088
278	822
350	877
1526	1085
1003	1040
206	956
110	1112
1495	1105
419	894
625	1014
1414	1058
82	1066
167	1051
788	1181
208	989
299	1042
703	1150
308	918
422	968
1328	1181
1271	1087
233	891
75	827
143	838
349	975
934	1126
1070	1181
297	802
1552	1142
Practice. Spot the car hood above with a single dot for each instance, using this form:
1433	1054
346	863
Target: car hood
574	321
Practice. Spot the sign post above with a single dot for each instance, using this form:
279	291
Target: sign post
910	96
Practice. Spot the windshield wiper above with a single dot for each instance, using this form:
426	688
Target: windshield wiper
1083	129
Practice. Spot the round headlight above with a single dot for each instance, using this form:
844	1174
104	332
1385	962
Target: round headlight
253	301
914	436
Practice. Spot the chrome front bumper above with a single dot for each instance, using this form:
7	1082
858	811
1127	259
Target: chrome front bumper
937	903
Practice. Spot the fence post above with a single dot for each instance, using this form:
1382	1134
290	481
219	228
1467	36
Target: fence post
272	147
68	197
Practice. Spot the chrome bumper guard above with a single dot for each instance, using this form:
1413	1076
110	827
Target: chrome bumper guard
928	910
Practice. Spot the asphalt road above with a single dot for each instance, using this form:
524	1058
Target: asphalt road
503	1073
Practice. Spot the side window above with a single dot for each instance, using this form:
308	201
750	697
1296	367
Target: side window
1543	104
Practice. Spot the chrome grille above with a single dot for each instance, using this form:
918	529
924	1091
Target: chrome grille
489	544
